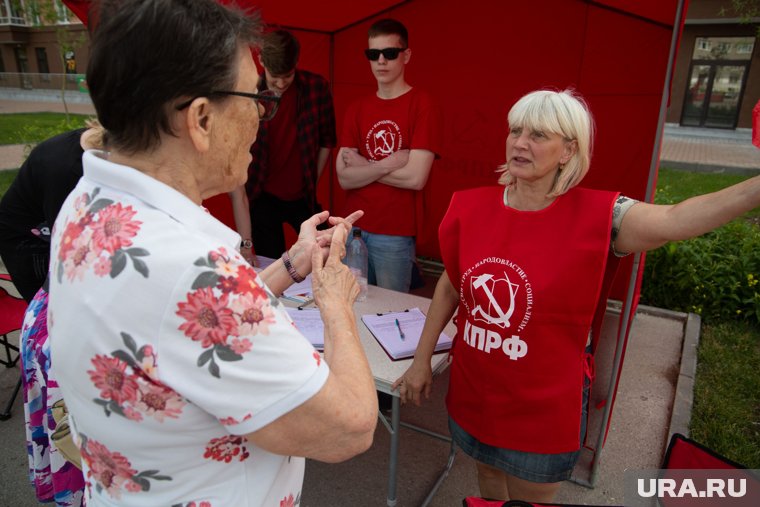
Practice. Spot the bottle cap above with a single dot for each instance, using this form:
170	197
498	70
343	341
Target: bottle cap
357	232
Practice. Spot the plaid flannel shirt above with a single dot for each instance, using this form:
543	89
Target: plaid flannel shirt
316	129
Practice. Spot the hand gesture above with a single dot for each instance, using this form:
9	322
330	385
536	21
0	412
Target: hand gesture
309	236
325	238
331	281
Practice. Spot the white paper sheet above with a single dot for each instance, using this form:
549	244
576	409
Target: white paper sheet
309	322
388	329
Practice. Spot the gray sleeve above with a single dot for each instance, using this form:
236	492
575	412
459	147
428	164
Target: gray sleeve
621	207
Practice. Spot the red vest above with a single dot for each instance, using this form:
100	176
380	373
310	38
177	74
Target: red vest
529	282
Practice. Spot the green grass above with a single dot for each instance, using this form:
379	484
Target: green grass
22	128
6	178
726	413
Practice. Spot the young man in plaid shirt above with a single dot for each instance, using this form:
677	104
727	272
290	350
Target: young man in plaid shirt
289	153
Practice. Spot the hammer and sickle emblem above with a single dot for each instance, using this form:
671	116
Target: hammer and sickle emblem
502	320
388	140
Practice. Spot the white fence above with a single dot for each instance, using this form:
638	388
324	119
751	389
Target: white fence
55	82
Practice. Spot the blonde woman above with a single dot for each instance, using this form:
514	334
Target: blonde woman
524	265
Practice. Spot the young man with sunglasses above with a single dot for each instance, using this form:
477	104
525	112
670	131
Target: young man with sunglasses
290	151
388	143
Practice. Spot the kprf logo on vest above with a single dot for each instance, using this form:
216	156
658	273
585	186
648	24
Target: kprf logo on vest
383	139
499	299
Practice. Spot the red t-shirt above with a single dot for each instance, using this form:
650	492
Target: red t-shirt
378	128
285	174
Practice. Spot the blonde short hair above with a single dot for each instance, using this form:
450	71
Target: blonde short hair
564	113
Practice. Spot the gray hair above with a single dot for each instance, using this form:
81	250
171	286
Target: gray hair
147	54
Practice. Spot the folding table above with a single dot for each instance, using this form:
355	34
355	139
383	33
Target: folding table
386	371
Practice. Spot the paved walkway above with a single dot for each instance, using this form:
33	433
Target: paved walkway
709	150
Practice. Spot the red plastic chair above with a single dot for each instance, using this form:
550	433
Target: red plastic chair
473	501
11	318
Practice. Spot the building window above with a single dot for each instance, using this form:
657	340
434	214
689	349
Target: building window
744	48
11	13
42	61
63	12
723	48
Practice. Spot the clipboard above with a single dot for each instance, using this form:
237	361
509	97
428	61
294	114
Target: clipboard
398	333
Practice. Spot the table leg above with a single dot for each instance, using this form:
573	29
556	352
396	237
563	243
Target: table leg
394	430
442	477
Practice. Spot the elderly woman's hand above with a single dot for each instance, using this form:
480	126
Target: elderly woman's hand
326	238
309	236
331	281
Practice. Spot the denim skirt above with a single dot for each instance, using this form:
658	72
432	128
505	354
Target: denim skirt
529	466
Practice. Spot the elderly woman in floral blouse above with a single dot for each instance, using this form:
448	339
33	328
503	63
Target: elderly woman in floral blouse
185	381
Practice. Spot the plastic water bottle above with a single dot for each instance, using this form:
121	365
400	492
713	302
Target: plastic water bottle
357	262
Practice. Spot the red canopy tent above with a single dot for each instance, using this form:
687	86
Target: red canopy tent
477	58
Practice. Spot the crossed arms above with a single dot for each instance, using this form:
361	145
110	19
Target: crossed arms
407	169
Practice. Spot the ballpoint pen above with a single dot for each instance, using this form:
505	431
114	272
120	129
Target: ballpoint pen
305	303
400	332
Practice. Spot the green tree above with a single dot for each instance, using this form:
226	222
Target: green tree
49	13
745	10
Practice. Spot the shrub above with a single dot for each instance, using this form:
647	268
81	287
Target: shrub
715	275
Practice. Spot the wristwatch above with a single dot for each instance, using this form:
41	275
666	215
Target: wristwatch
247	243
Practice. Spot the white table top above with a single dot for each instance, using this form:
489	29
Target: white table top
380	300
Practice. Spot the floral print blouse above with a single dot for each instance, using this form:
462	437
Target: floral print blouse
169	349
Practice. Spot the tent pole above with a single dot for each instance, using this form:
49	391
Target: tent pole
331	163
649	197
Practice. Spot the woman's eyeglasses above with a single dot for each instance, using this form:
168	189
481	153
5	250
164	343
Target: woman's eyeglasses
267	101
388	53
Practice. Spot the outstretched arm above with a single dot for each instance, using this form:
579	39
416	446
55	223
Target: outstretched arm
648	226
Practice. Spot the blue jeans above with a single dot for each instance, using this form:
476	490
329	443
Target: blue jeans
529	466
390	260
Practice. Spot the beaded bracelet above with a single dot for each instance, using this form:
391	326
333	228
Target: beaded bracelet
291	270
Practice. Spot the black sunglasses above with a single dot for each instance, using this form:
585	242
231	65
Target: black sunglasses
388	53
268	100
